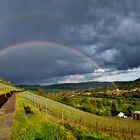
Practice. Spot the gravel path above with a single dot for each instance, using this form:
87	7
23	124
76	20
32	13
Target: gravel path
7	111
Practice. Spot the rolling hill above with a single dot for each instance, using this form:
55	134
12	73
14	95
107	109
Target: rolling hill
85	85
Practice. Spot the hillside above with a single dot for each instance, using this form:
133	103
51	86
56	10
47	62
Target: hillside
78	124
85	85
60	121
6	87
69	86
129	84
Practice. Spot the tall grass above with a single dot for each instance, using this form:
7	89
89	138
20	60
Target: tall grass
35	126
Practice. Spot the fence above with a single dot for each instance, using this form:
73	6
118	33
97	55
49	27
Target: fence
77	117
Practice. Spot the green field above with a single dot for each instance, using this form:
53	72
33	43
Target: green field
53	120
114	125
44	126
36	126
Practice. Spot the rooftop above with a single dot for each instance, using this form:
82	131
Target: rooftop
138	112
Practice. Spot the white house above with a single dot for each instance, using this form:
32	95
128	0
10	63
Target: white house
121	115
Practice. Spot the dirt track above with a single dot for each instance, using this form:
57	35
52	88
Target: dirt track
7	111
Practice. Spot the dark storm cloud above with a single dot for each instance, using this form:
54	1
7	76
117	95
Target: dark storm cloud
41	62
106	31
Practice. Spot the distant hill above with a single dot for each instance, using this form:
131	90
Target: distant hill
79	85
85	85
129	84
69	86
137	80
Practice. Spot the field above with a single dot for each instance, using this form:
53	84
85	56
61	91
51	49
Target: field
45	126
51	120
98	105
35	126
111	125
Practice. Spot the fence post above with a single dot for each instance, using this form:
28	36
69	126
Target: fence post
46	105
123	133
96	126
62	114
111	131
91	124
132	133
68	116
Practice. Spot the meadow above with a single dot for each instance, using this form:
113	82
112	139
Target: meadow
36	126
45	126
111	125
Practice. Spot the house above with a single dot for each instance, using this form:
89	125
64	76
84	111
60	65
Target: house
136	115
121	115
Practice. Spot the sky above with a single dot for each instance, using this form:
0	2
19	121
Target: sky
69	41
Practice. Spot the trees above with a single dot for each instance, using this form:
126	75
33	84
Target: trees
114	108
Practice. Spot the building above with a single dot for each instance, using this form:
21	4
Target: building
136	115
122	115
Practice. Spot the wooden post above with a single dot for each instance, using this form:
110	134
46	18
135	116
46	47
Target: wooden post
96	126
111	131
123	133
62	114
132	132
91	124
46	106
68	116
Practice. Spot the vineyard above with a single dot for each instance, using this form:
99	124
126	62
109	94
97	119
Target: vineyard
111	125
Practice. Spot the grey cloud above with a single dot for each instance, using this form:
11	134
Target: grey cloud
106	31
36	62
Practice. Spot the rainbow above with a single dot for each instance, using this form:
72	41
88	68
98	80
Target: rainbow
43	43
47	43
52	44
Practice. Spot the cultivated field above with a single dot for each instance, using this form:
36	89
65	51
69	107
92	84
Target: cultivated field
112	125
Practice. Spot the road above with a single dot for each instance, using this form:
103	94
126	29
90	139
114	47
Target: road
7	111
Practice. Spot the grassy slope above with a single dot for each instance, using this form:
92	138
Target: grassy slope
87	120
88	117
5	88
38	125
27	126
47	127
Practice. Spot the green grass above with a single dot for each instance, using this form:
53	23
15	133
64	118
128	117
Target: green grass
85	119
47	126
5	88
36	126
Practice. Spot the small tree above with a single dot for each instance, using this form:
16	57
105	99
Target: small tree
129	110
114	109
